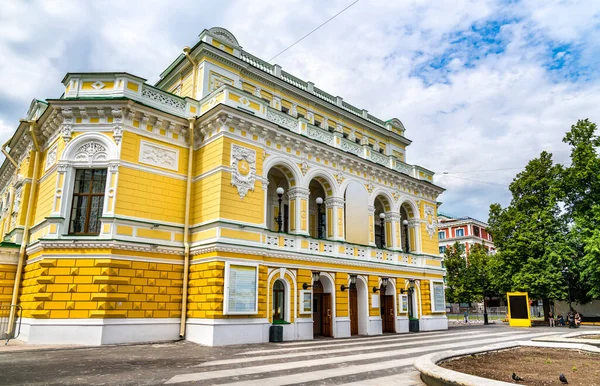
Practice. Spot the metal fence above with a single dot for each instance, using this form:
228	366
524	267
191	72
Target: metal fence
495	315
4	322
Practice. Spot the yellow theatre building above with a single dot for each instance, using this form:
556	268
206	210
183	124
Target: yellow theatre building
229	197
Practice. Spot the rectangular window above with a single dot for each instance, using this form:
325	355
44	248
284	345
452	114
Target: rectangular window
403	303
438	300
460	232
88	201
442	249
241	289
306	302
476	231
441	235
285	110
317	123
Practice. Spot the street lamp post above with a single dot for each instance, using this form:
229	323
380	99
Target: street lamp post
382	235
406	247
319	201
485	314
280	192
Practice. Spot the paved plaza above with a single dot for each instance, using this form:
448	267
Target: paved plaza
356	361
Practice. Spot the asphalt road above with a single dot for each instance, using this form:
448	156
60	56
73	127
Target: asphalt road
357	361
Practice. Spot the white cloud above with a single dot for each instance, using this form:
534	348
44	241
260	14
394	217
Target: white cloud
480	111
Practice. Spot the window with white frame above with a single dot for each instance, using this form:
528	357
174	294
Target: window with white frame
441	235
438	299
460	232
241	289
403	306
305	302
442	249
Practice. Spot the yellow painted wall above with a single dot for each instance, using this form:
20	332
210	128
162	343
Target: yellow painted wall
7	280
150	196
101	288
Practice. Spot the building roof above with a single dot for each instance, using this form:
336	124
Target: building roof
275	70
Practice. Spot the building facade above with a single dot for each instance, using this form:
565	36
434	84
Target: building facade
466	231
228	197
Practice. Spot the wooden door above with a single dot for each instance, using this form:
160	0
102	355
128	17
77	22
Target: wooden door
388	318
317	306
353	311
326	315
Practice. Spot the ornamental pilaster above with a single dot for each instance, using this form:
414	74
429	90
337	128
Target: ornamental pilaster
298	201
334	207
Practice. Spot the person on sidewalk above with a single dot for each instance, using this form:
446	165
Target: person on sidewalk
577	319
467	317
551	318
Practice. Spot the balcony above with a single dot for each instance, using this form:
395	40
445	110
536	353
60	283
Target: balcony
307	246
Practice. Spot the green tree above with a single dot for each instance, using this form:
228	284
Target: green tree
467	277
456	266
530	234
581	187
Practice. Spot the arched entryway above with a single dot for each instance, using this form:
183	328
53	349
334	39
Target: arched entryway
387	303
323	306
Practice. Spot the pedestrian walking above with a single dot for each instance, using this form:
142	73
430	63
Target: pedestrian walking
577	320
551	318
467	317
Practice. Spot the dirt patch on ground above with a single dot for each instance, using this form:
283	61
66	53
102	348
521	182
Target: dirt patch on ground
589	336
537	366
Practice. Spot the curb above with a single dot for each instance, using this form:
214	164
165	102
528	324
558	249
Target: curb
434	375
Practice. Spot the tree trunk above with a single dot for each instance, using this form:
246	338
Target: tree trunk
546	305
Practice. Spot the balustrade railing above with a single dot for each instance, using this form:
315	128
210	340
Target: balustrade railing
342	249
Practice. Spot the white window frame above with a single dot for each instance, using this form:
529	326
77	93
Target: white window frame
403	299
441	235
461	231
432	295
226	311
442	249
302	309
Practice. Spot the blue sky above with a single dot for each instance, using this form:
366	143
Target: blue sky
480	85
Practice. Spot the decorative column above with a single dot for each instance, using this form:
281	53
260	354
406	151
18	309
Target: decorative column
335	218
392	227
414	234
371	209
298	199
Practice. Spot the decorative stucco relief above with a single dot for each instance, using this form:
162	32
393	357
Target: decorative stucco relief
243	169
156	155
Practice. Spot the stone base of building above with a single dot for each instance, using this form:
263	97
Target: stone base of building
433	323
401	324
209	332
94	332
221	332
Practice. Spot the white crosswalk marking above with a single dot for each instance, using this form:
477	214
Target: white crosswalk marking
411	378
338	351
349	342
341	363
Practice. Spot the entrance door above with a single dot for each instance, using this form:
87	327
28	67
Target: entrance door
387	313
326	315
353	311
317	324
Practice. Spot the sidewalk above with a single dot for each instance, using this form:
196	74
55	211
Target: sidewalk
19	345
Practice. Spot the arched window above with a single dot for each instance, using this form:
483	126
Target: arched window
278	301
